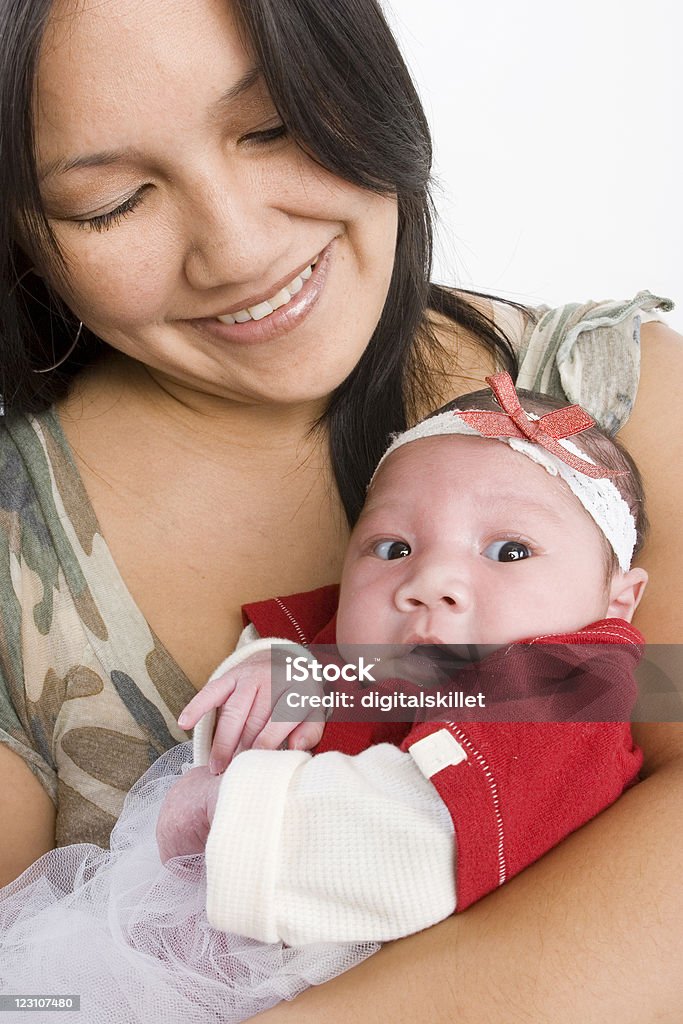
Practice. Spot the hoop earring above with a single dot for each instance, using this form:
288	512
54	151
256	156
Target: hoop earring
66	355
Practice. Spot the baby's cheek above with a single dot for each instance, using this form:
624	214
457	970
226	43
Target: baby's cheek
344	615
364	613
352	621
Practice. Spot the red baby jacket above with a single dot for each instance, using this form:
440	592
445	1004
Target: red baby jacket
514	789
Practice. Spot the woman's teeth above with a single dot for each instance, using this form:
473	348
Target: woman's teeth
263	309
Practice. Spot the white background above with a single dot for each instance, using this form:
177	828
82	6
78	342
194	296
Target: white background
557	131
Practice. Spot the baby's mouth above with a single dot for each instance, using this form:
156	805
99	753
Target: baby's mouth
445	653
441	662
427	663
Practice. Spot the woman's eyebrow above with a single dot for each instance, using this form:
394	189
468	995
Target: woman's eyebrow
103	159
108	157
220	107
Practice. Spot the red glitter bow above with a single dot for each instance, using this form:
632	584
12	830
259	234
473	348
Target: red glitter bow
546	431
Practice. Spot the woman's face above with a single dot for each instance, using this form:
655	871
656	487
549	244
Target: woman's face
215	212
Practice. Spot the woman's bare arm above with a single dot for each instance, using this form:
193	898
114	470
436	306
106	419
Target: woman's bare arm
593	931
654	436
27	815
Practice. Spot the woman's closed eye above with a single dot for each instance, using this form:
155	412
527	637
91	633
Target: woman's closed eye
507	551
388	550
104	221
266	135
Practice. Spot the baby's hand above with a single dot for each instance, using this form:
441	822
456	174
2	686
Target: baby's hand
186	814
243	698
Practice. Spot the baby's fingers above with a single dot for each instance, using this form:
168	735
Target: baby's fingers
230	722
273	735
300	735
307	735
212	695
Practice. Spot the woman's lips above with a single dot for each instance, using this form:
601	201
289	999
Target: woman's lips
281	320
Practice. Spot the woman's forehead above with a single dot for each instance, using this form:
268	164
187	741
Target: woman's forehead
114	70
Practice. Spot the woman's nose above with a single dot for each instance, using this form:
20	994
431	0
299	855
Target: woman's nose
433	587
234	236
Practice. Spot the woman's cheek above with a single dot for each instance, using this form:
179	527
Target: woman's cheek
121	284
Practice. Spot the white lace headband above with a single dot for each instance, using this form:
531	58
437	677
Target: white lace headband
544	440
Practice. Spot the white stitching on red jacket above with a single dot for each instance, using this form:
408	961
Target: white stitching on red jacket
297	627
490	778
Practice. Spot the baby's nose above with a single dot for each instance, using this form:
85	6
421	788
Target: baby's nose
433	587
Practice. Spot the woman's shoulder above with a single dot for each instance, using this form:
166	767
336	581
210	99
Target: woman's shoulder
583	352
43	515
27	569
88	695
587	352
26	543
44	606
32	454
654	437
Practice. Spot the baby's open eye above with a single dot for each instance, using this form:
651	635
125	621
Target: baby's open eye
390	549
507	551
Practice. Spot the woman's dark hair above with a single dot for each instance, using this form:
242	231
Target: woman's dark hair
338	80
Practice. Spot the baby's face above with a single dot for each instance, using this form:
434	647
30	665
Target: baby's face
463	541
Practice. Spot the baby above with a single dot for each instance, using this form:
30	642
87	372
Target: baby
484	529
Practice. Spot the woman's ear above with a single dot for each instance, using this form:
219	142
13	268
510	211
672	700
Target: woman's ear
625	592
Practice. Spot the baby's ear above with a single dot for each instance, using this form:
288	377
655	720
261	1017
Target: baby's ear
625	592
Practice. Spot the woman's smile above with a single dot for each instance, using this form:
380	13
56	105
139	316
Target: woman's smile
286	305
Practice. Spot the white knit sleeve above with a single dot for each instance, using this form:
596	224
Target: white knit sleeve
329	848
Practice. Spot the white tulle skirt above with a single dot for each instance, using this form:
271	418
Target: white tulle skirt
131	938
